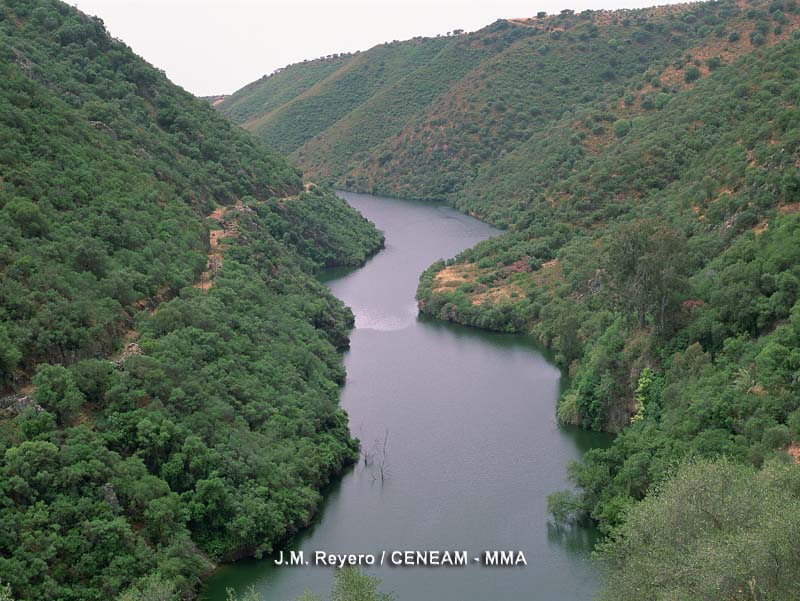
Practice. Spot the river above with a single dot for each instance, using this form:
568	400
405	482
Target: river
472	445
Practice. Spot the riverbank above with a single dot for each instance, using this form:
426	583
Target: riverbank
473	447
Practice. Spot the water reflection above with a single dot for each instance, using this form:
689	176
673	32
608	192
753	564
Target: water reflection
577	540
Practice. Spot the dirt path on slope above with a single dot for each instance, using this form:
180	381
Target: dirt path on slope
226	228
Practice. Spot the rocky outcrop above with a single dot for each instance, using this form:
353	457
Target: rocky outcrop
15	404
131	350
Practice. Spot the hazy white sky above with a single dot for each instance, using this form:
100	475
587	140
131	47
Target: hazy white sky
217	46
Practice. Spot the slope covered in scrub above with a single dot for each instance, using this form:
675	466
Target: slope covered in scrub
149	426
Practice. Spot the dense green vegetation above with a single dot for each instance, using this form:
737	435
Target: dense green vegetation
646	165
104	166
408	88
350	584
322	229
361	103
344	90
270	92
210	438
717	531
666	280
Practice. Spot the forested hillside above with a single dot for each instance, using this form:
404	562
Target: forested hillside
454	117
271	92
647	167
354	104
168	362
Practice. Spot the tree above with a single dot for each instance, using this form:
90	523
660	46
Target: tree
646	267
93	377
152	587
9	356
27	216
691	74
5	592
56	390
249	595
621	128
715	531
351	584
354	585
565	507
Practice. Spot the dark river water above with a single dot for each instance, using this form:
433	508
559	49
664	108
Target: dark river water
473	448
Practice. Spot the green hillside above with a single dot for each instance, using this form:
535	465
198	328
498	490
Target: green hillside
314	110
437	117
168	362
367	98
665	277
646	165
271	92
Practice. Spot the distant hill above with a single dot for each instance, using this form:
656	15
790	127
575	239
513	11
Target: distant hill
433	117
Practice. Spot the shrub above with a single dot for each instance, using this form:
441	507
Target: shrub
621	128
691	74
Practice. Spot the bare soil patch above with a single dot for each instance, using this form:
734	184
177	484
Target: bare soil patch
454	276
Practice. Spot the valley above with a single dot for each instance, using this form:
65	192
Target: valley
532	289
